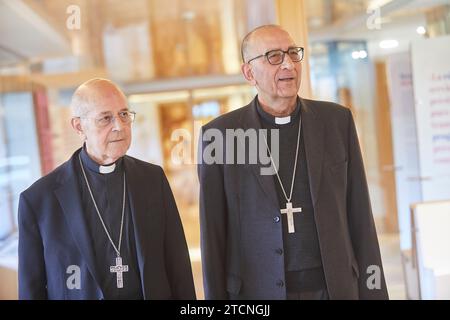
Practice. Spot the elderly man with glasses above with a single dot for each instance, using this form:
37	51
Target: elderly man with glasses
103	225
306	231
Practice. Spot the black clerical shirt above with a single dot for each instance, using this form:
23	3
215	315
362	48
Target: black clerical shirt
303	262
107	190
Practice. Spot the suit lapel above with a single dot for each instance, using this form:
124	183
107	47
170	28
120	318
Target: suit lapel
250	120
313	137
138	200
68	195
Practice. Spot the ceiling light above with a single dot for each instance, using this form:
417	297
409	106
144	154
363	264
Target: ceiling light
421	30
362	54
355	55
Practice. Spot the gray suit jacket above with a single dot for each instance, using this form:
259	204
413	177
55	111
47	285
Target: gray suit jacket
240	215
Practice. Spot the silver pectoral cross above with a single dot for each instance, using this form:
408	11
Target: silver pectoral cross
289	211
119	269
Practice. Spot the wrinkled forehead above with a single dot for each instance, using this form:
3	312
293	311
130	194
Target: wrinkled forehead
103	99
270	39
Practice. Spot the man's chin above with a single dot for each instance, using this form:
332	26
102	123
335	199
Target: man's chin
116	153
291	94
288	91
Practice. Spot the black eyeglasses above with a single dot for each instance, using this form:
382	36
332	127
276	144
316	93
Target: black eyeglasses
275	57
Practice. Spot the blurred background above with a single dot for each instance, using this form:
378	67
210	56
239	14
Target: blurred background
178	62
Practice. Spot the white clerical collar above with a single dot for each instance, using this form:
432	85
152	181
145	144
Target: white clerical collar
107	169
280	121
283	120
95	167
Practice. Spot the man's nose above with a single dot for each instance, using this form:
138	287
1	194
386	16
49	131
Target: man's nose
287	62
117	123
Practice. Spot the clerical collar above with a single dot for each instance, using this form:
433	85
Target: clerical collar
277	120
95	167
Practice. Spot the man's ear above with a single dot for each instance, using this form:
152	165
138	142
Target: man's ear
76	125
248	73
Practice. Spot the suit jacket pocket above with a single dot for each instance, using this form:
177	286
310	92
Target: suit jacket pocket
233	284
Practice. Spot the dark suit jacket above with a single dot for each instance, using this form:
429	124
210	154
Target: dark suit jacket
240	224
53	235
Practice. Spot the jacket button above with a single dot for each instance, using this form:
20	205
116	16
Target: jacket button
279	251
280	283
276	219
